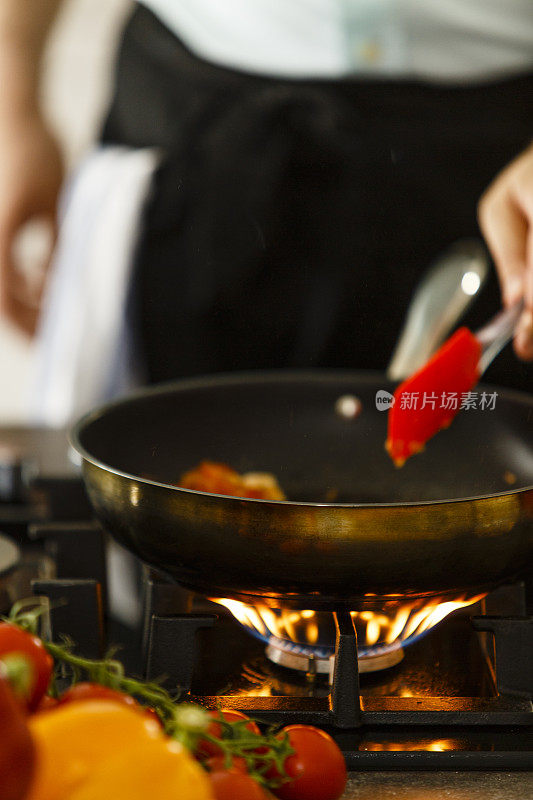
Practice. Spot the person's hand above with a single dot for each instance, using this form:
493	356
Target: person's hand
506	219
31	173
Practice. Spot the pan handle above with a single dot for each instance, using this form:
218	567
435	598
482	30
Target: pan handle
443	295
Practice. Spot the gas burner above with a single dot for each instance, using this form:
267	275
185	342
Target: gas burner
294	657
305	640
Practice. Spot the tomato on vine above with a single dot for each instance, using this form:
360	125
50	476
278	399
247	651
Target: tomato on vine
234	784
47	703
88	690
95	691
27	663
17	751
219	764
316	769
206	748
299	762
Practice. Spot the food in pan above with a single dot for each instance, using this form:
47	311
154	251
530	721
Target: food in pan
210	476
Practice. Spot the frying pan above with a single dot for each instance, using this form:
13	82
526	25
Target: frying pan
456	518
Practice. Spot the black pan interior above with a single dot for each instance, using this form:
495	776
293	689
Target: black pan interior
287	423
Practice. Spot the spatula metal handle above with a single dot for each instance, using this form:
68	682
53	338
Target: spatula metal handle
497	333
441	298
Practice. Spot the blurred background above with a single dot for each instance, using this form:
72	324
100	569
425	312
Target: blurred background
78	72
271	182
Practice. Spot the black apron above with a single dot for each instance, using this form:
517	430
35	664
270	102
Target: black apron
291	219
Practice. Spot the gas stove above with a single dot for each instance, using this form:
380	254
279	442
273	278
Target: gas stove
455	696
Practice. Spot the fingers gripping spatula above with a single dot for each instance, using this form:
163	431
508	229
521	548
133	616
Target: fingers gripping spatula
429	400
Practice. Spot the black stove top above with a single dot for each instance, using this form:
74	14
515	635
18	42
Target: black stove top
461	698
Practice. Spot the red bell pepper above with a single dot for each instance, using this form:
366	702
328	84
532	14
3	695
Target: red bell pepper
424	403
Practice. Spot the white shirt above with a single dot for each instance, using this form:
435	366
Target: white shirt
438	40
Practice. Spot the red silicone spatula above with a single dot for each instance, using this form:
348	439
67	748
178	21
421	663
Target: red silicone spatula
430	399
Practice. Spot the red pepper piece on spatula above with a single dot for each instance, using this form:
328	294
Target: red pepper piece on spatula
430	399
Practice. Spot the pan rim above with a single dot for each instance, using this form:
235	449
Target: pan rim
261	376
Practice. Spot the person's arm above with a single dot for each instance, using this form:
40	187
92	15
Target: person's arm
31	168
506	219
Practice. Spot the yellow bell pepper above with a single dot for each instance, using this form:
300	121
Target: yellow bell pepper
162	770
75	742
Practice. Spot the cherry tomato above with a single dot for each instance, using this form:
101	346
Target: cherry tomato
317	768
94	691
17	755
206	749
218	764
151	713
232	784
16	642
47	703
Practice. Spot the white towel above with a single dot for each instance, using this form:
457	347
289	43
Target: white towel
84	353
